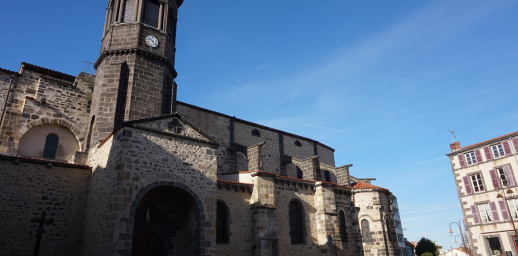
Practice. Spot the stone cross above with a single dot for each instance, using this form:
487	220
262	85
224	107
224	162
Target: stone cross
40	231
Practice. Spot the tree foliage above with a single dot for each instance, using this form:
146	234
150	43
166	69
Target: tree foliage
425	247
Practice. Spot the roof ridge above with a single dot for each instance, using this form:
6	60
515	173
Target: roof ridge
496	138
254	124
8	71
65	76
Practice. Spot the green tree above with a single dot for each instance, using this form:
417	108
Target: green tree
425	247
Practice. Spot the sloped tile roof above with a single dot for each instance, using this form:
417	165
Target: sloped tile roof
235	182
363	185
494	139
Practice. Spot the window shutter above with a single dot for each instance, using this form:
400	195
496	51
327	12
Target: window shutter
503	209
461	160
494	211
478	155
509	175
129	11
496	182
474	213
469	191
507	149
487	151
515	143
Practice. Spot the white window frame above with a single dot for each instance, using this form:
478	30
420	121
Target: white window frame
471	158
484	211
513	207
477	183
500	172
499	148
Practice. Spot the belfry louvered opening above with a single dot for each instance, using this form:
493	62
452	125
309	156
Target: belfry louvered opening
152	13
130	8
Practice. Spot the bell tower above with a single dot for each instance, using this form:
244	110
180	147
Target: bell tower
135	69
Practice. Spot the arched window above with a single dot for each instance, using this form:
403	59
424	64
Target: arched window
296	212
152	13
343	231
51	146
222	223
366	231
256	133
299	173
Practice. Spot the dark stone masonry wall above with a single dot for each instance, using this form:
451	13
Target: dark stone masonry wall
39	99
27	189
131	163
5	82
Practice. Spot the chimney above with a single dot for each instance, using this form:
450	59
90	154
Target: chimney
455	146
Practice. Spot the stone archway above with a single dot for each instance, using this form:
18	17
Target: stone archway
174	213
61	122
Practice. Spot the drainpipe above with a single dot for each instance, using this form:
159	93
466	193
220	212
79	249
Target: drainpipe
6	99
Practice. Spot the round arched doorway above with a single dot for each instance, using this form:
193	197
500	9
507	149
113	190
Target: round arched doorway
164	223
146	243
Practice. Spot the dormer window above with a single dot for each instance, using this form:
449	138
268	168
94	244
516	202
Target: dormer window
470	158
256	133
498	150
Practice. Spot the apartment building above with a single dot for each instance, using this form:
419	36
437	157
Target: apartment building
485	176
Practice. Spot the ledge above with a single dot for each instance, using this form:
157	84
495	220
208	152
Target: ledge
23	159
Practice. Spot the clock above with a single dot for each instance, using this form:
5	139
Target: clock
152	41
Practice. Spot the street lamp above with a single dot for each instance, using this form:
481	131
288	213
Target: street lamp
456	239
502	195
461	236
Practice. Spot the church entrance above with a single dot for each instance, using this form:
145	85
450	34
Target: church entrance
164	223
146	243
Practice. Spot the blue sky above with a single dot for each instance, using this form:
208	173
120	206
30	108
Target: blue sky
382	82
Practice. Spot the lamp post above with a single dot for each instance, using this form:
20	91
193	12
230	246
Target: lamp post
456	239
496	184
463	242
461	236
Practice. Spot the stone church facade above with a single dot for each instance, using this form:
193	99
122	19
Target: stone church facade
124	168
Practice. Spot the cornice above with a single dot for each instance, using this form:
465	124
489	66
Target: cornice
482	144
135	50
49	163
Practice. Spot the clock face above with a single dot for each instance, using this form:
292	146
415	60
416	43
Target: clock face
152	41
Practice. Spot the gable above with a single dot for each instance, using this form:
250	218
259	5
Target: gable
173	124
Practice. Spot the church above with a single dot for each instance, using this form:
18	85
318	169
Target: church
121	167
